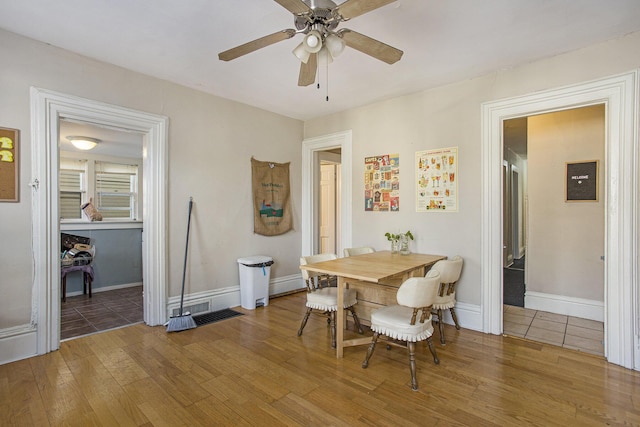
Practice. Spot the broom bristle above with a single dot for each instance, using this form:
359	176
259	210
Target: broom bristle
181	323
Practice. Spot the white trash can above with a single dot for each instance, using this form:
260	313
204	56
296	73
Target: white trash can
254	281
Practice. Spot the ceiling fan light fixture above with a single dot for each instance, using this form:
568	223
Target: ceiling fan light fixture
83	142
313	41
324	57
334	44
302	53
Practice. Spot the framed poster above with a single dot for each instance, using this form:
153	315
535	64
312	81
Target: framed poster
382	183
581	182
9	173
437	180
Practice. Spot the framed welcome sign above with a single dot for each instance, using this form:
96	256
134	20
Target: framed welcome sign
582	182
9	139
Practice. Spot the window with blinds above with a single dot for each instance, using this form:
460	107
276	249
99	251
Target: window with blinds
116	193
72	188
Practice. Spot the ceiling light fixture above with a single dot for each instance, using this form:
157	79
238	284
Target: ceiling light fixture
334	44
318	21
324	44
302	53
313	41
83	142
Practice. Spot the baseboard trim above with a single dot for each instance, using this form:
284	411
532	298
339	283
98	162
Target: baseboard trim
569	306
105	289
286	284
219	299
469	316
17	343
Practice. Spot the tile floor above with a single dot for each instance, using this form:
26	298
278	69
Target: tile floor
82	315
564	331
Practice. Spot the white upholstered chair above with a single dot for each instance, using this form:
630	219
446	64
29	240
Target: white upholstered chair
400	323
449	270
358	251
322	296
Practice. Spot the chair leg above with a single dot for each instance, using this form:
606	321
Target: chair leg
372	346
333	329
304	321
356	320
432	349
455	318
441	326
411	346
328	314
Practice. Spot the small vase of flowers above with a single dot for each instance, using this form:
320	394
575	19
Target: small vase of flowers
400	242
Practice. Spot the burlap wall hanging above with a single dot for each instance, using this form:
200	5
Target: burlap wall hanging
271	198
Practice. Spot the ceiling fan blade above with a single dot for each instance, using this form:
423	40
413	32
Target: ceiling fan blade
308	71
297	7
371	47
256	44
352	8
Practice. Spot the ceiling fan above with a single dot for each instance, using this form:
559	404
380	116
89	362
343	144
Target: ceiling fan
318	20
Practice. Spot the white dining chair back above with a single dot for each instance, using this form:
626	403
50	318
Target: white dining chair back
358	251
409	321
450	271
312	259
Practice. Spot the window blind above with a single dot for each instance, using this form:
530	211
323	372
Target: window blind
116	189
72	174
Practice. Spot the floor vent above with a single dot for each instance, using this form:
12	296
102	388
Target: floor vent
215	316
203	307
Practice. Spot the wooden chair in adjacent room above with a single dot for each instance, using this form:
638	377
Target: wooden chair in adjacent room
450	270
323	297
400	323
358	251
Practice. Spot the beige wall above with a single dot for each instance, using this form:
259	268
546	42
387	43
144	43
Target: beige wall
566	240
450	116
211	141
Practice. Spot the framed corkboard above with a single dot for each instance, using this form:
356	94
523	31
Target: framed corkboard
9	171
582	182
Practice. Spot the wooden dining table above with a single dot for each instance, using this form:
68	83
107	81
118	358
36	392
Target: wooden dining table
371	270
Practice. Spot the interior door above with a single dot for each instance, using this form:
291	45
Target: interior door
506	217
327	208
515	212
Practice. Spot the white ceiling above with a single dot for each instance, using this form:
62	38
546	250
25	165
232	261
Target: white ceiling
444	41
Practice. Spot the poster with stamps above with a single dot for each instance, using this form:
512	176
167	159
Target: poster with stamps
437	180
382	183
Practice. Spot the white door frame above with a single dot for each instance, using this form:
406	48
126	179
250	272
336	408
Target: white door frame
310	172
619	94
47	109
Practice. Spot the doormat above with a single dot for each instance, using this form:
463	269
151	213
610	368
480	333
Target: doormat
214	316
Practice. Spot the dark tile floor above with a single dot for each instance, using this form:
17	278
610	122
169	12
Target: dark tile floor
82	315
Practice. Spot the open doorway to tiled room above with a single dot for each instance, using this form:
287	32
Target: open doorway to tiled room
81	315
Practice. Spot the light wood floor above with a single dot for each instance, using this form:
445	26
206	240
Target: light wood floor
254	370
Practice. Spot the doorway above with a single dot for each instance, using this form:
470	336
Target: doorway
48	108
563	303
312	149
110	175
619	94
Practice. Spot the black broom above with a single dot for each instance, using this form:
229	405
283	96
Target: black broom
183	322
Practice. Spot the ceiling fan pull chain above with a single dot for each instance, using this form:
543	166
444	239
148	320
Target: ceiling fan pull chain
327	68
